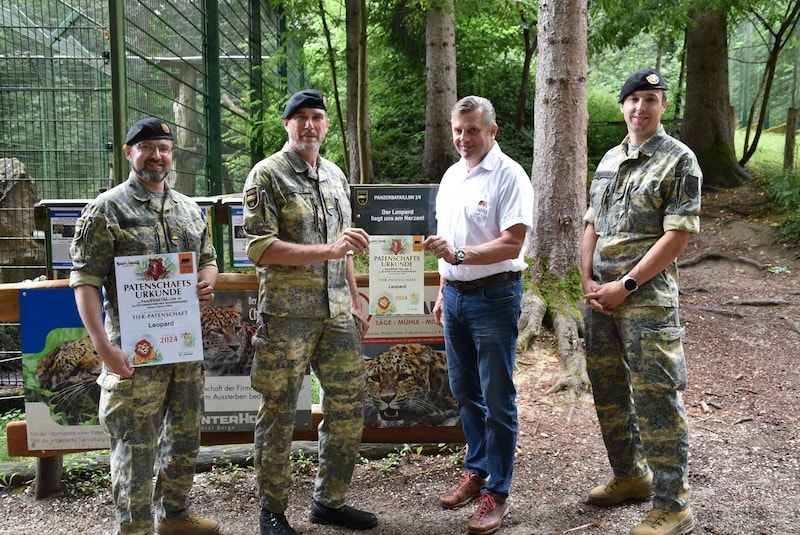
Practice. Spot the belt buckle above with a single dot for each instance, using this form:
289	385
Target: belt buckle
463	286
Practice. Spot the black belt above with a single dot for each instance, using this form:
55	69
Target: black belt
468	286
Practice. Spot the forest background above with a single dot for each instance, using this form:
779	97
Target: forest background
495	55
392	69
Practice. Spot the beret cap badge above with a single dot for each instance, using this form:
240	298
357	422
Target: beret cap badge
147	129
643	79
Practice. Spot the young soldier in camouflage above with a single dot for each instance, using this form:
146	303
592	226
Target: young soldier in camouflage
297	216
152	415
644	204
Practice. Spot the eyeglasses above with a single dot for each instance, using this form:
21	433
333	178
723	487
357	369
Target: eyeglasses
148	148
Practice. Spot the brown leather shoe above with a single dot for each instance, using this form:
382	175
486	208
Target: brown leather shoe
468	488
488	516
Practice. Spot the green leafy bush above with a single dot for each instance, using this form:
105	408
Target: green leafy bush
783	189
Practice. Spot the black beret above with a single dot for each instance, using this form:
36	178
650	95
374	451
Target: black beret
642	79
307	98
148	128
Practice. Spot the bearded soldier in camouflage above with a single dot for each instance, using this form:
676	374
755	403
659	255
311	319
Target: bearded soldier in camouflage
644	204
296	215
154	414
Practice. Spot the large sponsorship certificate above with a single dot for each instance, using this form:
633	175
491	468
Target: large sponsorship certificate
158	308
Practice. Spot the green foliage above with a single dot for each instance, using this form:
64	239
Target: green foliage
302	466
15	415
397	118
603	108
456	455
783	189
226	472
83	476
615	25
6	480
397	74
394	458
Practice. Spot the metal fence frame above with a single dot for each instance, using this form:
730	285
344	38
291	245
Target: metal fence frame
75	73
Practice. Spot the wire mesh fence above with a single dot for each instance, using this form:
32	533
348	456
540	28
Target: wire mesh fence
201	66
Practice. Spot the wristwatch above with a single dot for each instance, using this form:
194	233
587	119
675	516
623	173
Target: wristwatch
460	255
630	283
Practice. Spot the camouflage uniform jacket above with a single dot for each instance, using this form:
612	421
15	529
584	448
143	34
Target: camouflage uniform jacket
635	198
286	199
128	220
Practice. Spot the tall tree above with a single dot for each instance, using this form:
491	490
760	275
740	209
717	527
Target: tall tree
441	91
559	175
708	119
358	124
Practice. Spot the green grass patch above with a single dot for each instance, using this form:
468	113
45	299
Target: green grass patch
11	416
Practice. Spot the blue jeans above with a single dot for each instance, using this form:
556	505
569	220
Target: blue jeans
480	329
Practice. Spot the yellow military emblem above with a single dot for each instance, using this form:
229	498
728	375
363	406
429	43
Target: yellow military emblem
80	224
251	198
165	128
652	78
361	196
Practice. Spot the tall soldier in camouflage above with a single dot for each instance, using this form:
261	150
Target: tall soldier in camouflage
296	216
644	204
153	414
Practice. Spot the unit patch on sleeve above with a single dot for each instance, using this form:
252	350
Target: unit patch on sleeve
251	197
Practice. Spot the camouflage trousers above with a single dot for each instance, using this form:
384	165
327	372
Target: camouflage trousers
284	349
636	364
154	422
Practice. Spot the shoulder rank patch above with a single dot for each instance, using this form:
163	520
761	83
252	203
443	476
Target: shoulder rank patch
692	186
251	197
80	224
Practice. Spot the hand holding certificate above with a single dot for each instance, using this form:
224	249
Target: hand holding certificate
158	308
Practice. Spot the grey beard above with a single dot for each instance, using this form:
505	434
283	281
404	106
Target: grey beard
154	177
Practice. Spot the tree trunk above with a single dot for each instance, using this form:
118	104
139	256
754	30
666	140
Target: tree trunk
559	175
440	61
708	121
778	41
358	127
189	160
529	38
791	135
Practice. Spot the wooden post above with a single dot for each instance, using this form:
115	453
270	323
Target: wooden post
791	134
48	475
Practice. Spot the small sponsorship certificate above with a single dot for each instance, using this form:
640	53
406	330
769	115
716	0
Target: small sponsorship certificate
396	275
158	308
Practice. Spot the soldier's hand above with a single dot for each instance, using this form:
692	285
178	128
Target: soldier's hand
117	361
205	293
355	240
